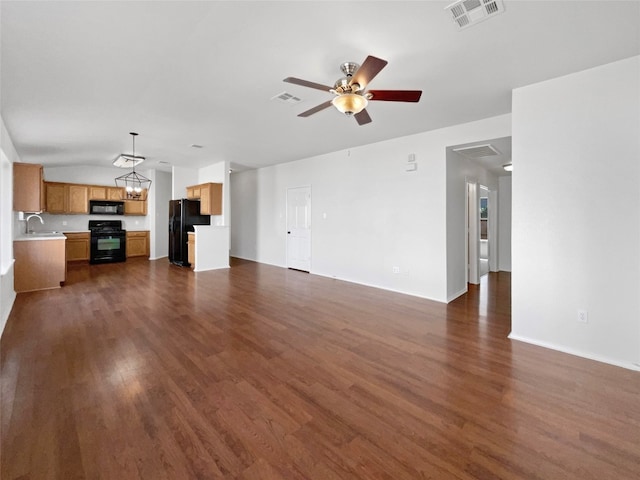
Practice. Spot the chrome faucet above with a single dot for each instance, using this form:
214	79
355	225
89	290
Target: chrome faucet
27	222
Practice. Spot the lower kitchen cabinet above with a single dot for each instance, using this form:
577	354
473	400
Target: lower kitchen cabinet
78	246
39	264
191	248
137	243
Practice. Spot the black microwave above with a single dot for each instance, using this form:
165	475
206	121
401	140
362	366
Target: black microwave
106	207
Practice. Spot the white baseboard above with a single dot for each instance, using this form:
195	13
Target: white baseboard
451	298
388	289
577	353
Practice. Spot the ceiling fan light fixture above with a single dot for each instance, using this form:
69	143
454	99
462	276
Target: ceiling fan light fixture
127	161
350	103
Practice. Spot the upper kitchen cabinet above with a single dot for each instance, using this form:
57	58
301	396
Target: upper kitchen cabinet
78	199
67	198
135	207
210	196
28	188
101	192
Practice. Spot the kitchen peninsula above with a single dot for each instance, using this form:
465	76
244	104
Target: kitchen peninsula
39	261
211	247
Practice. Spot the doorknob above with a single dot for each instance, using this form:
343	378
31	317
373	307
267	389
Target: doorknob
288	233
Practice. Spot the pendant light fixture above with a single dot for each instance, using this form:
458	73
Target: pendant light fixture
135	186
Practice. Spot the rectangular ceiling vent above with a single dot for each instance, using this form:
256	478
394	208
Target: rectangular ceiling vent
285	97
478	151
469	12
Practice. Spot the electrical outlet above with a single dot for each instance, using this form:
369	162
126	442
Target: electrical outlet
396	269
583	316
64	223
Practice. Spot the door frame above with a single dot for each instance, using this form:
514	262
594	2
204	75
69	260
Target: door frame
472	249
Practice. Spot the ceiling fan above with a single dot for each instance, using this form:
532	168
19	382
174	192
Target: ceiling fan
350	96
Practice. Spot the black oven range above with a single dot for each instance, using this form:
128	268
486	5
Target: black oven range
108	241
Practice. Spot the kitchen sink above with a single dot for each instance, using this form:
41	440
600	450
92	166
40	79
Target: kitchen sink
44	234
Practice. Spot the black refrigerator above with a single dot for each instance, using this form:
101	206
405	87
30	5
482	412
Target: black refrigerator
183	215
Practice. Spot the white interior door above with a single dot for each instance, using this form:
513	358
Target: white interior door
299	228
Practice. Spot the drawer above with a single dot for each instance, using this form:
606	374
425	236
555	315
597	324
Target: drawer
137	234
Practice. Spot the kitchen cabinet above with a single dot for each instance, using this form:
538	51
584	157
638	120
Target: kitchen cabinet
191	248
137	243
55	197
78	246
97	192
210	196
66	198
115	193
135	207
39	264
78	198
193	192
102	192
28	188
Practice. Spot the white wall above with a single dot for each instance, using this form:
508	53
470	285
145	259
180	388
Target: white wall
8	156
576	213
504	223
158	212
182	178
368	213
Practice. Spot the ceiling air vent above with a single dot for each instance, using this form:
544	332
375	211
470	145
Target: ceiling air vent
469	12
478	151
285	97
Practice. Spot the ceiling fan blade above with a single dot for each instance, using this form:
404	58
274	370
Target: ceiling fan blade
395	95
367	71
306	83
316	109
363	117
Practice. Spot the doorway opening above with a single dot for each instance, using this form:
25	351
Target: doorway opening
483	252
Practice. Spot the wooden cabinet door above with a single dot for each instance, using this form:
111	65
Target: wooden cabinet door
77	246
211	199
28	188
55	198
115	193
78	198
191	249
205	200
97	193
194	192
138	244
135	207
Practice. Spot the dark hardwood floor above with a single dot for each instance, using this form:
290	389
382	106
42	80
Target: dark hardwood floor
143	370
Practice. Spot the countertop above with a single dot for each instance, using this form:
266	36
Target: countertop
40	236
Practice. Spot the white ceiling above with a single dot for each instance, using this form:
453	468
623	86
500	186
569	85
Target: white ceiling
77	77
